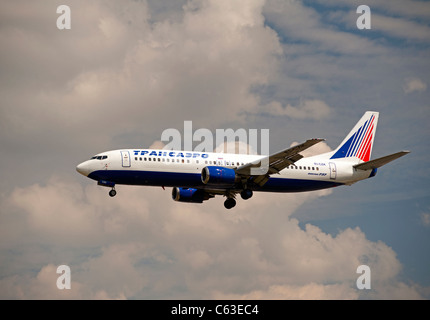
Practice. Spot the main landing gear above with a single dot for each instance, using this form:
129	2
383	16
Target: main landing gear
231	202
246	194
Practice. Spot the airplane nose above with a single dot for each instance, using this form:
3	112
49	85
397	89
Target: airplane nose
83	168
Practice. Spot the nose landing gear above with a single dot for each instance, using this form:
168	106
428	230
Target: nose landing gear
112	193
109	184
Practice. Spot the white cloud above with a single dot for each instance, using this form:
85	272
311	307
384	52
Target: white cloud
154	245
414	84
43	286
311	291
157	145
237	147
316	149
120	72
401	28
113	67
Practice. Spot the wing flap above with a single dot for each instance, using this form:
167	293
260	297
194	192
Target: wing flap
274	163
376	163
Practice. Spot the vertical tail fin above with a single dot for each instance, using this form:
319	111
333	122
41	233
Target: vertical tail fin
359	142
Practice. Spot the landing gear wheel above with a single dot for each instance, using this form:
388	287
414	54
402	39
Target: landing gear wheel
246	194
112	193
229	203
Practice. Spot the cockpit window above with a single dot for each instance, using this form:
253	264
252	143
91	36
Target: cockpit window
99	157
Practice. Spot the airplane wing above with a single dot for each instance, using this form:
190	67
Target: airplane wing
262	169
376	163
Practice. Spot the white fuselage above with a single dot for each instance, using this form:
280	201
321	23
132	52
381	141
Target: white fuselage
183	169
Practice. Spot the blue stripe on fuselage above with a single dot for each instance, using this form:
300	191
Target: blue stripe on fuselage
193	180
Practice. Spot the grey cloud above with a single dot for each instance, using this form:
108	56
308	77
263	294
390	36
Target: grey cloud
152	248
123	74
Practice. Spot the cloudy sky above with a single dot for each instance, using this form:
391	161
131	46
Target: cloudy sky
127	70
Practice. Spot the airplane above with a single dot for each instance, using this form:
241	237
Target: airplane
200	176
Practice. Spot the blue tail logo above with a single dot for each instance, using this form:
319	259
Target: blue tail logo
360	143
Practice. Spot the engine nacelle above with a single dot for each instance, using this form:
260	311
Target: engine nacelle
188	195
219	176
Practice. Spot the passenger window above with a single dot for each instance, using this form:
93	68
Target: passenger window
140	158
206	162
163	160
149	159
197	161
318	168
188	161
135	158
313	168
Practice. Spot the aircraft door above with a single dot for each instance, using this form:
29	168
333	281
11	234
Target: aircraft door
125	157
333	171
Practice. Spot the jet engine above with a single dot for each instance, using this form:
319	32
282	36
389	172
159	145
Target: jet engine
188	195
219	176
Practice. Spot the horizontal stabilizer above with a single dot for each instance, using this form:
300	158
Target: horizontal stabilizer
373	164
